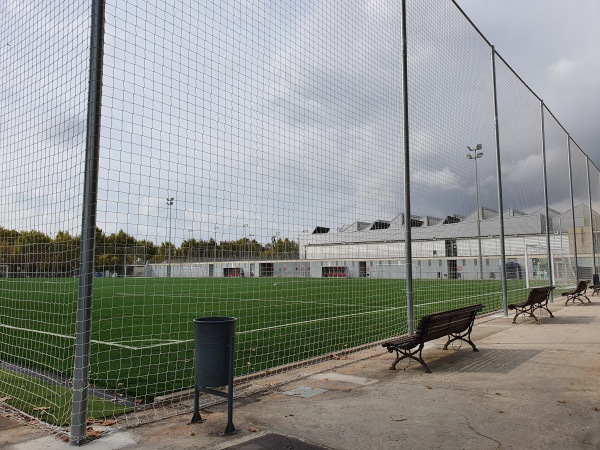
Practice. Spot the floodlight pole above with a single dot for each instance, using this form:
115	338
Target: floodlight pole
190	248
244	256
476	155
215	256
169	204
526	268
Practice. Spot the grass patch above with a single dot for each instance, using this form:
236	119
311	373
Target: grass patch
47	401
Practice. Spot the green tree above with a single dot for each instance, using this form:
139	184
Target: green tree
281	249
163	251
33	250
119	249
148	248
8	259
65	254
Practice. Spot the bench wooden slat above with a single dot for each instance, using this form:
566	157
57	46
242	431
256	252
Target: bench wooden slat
577	293
456	324
406	342
537	299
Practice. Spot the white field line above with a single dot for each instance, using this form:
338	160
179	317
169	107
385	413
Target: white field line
324	319
461	298
164	344
274	327
110	344
276	299
285	300
126	294
394	308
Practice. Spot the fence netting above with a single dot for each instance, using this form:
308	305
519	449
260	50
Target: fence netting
252	161
44	54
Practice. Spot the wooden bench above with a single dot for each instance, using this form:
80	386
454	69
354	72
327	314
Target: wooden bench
595	287
577	293
456	324
537	299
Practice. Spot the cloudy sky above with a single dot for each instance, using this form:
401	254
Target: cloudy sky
265	117
262	117
554	46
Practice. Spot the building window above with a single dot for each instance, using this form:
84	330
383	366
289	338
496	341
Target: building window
464	262
487	261
428	263
440	263
475	261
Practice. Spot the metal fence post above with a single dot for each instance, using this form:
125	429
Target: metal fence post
546	208
587	163
88	229
500	202
572	208
407	224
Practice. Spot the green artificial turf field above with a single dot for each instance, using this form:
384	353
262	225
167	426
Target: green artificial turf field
143	330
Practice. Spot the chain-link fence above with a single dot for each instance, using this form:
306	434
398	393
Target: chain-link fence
300	166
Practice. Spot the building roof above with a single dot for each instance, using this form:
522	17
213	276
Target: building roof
452	226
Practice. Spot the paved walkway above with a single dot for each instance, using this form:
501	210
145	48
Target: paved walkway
530	387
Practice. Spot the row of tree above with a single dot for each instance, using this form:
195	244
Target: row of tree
32	253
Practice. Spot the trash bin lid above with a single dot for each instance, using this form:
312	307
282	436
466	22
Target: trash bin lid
214	319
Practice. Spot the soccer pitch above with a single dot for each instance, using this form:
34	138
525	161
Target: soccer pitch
143	330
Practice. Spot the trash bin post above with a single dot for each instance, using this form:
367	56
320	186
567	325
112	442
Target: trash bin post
197	418
213	363
230	429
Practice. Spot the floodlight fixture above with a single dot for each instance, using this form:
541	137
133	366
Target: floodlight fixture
215	255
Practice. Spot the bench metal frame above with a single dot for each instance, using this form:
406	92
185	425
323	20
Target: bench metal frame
537	299
577	293
456	324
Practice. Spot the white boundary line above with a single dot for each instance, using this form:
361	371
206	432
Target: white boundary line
110	344
286	300
127	294
345	316
164	344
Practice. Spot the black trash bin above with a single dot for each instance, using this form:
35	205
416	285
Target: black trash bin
213	338
213	361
